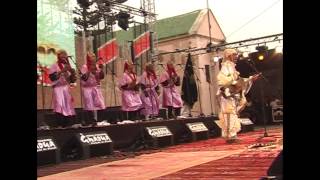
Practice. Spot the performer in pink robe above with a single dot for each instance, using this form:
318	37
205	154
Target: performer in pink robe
149	96
171	97
62	75
91	74
131	102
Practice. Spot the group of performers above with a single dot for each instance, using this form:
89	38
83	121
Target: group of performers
140	95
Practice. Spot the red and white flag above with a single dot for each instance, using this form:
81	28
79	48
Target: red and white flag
43	76
141	44
108	51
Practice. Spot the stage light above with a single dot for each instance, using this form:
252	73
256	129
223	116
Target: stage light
260	57
123	20
279	49
245	54
216	59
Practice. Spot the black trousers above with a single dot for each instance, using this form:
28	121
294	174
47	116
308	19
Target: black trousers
62	120
173	112
132	115
89	118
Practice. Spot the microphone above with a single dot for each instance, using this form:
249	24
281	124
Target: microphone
160	64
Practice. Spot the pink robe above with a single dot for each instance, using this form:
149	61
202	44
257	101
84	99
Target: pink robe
130	99
62	101
91	92
171	96
151	103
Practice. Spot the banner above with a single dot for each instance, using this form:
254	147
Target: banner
43	76
108	51
141	44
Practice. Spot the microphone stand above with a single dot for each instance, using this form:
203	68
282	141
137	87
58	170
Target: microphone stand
114	87
81	101
42	87
262	97
43	94
151	99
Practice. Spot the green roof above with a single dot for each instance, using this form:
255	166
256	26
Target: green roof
168	27
177	25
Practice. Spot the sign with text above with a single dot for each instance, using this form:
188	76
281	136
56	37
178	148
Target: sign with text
159	131
45	145
197	127
95	138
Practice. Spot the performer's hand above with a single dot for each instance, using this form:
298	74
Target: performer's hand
72	71
64	70
68	67
255	77
100	66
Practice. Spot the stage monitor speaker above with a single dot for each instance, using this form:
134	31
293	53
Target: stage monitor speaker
246	125
198	131
207	69
160	136
47	151
96	143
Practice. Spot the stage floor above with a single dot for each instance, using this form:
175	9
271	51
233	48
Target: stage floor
206	159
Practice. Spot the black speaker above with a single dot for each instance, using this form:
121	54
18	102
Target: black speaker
96	143
47	151
207	68
197	131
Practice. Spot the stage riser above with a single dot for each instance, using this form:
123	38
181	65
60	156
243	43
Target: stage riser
111	114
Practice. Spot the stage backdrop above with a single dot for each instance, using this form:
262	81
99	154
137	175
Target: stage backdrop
54	32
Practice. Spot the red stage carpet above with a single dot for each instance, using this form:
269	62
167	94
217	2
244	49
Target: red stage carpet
208	159
250	164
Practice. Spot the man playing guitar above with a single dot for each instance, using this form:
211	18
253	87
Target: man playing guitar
231	95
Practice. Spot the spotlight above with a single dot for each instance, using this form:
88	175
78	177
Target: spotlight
260	57
123	20
279	49
245	54
216	59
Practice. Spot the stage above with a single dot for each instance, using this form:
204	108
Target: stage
206	159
